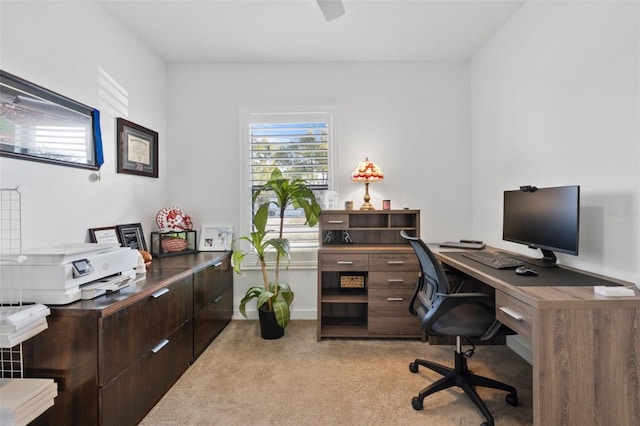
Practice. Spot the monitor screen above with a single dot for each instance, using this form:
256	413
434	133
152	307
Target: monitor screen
543	218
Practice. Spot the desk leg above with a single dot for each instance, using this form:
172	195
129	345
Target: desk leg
586	368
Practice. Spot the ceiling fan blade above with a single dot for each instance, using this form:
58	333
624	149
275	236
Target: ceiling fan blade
331	9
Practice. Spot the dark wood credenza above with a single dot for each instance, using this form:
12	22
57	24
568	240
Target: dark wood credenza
115	356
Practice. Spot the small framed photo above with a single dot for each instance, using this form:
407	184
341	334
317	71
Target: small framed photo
137	149
216	238
105	235
131	235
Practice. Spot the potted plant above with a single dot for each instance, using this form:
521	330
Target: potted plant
274	297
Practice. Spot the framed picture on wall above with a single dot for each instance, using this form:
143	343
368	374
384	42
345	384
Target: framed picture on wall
105	235
131	235
216	238
137	149
37	124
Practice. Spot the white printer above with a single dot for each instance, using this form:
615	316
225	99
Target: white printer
63	274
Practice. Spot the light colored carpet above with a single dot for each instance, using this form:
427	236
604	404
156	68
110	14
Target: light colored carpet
242	379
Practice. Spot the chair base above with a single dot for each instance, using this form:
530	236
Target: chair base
460	376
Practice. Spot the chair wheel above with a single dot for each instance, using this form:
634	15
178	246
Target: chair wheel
413	367
512	399
416	403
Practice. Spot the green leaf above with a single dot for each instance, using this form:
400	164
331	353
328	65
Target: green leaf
260	218
283	315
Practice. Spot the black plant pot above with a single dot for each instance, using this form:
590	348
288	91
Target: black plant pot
269	328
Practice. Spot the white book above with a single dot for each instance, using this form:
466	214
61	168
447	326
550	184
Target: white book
22	400
13	339
613	291
14	318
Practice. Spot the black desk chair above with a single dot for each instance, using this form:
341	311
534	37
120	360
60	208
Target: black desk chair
442	313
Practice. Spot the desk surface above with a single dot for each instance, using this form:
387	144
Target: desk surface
552	287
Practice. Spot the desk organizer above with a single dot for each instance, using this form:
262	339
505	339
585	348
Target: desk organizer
173	243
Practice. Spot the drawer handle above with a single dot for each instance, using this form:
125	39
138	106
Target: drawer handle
215	265
511	313
345	262
217	299
336	222
160	293
395	262
395	299
159	346
395	280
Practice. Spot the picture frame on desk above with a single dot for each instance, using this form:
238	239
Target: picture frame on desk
137	149
131	235
216	238
104	235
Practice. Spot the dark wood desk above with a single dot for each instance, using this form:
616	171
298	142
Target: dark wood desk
586	347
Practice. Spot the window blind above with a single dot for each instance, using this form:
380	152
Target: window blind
300	150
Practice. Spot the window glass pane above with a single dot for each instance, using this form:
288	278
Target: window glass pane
298	145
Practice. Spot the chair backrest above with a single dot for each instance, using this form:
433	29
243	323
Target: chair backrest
433	279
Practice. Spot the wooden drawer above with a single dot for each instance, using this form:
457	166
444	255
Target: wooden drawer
393	262
334	221
133	331
211	320
515	314
389	312
344	262
393	280
211	282
128	398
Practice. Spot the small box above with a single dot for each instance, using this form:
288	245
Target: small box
352	281
173	243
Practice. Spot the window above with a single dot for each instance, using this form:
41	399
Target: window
299	144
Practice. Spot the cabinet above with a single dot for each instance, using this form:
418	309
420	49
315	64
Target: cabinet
212	302
367	274
115	356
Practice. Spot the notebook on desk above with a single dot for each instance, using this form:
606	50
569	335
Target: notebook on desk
463	245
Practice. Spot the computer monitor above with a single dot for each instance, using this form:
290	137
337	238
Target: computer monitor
543	218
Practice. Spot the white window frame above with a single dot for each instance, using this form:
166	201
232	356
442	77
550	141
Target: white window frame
300	258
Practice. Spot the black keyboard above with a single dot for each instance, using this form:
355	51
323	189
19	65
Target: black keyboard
495	260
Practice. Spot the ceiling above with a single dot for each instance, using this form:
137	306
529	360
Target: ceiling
192	31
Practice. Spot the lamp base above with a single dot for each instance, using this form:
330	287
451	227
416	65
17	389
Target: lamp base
367	206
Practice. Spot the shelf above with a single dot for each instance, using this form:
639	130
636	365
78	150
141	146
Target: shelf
361	243
340	297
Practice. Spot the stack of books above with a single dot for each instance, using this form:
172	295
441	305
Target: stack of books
19	323
23	400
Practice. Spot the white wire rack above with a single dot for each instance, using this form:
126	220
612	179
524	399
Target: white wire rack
10	248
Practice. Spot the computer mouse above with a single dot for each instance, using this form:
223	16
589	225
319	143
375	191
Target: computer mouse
523	270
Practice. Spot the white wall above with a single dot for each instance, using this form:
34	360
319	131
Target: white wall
554	101
410	118
69	49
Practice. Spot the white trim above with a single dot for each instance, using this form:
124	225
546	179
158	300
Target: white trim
274	114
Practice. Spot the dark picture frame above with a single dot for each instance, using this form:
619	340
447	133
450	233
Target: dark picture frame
137	149
104	235
37	124
132	236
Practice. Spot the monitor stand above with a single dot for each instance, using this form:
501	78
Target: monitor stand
548	259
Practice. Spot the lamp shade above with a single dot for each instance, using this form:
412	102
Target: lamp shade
367	171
